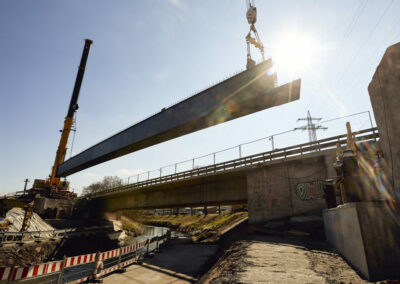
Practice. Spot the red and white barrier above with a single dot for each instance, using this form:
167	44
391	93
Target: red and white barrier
5	273
80	259
37	270
9	273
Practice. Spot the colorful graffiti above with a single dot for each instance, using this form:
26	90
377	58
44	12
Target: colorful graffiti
309	190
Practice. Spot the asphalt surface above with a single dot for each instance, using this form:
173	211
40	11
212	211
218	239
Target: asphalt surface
181	262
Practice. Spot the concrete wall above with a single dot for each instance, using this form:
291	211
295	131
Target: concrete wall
287	188
385	99
367	234
44	205
343	232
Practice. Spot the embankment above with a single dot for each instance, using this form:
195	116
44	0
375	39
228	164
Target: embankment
201	228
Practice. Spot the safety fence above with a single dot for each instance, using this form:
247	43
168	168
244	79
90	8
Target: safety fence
256	159
76	269
12	238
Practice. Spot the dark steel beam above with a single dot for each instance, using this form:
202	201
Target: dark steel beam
245	93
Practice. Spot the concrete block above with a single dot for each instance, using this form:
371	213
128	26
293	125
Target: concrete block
366	234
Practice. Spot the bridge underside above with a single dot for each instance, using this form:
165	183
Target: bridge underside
274	184
226	188
245	93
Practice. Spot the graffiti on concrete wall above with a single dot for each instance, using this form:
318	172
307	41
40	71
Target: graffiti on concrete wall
309	190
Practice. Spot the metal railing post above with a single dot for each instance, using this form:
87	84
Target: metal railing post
60	276
372	126
240	150
136	250
176	166
10	276
148	175
214	157
148	245
272	142
160	172
119	258
193	164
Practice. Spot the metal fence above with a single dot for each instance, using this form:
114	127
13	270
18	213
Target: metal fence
81	268
12	238
292	151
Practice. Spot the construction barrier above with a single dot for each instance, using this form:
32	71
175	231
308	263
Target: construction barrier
77	269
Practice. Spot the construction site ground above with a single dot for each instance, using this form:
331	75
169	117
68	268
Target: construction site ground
181	262
259	258
254	259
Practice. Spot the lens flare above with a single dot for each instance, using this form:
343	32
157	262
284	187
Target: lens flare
294	53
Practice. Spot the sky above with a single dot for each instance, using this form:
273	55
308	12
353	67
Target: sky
150	54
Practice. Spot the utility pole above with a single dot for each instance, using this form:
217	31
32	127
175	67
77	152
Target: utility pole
26	184
311	126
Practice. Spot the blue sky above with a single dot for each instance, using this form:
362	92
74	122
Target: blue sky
149	54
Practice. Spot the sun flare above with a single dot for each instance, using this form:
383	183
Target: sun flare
294	53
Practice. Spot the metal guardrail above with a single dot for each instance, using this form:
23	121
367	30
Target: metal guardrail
292	151
12	238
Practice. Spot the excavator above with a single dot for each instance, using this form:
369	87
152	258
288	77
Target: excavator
52	187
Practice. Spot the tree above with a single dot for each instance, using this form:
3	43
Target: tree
107	182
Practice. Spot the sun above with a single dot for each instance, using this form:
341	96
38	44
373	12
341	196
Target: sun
294	53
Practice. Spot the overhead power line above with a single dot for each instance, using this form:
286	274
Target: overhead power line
353	23
364	43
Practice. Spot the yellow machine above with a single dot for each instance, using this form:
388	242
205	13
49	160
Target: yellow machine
53	186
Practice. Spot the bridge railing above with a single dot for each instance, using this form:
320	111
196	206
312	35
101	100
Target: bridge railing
260	158
267	143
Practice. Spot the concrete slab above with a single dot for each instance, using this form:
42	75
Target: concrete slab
179	263
366	234
385	100
245	93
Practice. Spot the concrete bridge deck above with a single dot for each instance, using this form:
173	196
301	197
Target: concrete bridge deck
229	182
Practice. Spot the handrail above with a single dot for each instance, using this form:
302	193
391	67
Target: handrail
299	149
14	237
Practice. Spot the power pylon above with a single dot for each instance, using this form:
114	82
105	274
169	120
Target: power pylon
311	127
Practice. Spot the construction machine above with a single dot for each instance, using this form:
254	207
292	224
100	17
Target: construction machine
53	186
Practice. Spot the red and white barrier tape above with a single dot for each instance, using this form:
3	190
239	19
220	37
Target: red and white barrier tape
7	273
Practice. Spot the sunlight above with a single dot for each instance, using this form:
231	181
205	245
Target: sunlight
294	54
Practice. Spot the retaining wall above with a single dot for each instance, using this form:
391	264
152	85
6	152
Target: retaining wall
288	187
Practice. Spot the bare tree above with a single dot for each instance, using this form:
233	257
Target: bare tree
107	182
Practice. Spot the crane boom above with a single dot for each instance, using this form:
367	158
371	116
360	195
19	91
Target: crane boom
69	119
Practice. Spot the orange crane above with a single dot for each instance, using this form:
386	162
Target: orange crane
54	186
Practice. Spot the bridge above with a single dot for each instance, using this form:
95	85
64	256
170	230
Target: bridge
276	183
247	92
